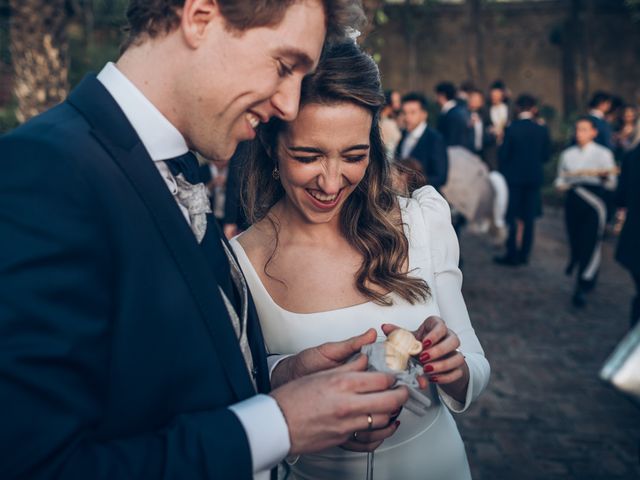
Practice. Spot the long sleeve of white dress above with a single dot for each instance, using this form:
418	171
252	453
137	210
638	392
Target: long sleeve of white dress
445	254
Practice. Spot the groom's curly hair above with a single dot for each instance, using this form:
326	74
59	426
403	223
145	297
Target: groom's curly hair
148	19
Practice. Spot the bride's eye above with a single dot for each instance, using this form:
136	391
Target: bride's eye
306	159
355	158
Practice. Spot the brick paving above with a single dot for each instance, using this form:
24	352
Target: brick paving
545	414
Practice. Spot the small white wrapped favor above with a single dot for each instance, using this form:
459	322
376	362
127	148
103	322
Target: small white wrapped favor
394	356
400	344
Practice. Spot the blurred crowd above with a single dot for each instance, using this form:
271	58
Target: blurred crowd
485	153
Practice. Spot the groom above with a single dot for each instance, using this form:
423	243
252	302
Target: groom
128	345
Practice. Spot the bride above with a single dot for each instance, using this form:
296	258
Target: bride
333	251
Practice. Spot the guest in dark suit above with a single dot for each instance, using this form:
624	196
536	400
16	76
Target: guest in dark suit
628	253
129	346
524	151
465	90
482	135
599	106
421	142
453	121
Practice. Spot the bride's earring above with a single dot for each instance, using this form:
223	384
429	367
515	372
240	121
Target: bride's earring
276	173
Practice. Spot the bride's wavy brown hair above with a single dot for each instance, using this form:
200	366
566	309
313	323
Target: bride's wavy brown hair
369	218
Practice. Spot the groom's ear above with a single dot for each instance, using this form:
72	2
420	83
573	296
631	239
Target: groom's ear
196	17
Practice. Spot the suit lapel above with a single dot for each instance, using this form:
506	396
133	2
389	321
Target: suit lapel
254	333
419	145
113	131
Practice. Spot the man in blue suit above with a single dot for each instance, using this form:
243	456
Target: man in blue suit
526	148
421	142
599	106
129	346
454	122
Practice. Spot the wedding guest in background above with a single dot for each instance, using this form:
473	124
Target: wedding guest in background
213	175
628	253
599	106
614	115
453	120
422	142
585	172
396	102
627	132
464	91
327	255
481	132
522	155
499	112
129	346
389	129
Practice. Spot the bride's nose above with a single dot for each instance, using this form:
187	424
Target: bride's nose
330	180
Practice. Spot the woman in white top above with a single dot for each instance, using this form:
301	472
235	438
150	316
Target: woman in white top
334	251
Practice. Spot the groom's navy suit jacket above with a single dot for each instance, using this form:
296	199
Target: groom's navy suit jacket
117	355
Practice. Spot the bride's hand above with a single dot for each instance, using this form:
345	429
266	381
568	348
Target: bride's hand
323	357
442	362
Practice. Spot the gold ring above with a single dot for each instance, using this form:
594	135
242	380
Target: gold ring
370	422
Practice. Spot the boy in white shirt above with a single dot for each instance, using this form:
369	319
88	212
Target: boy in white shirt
585	171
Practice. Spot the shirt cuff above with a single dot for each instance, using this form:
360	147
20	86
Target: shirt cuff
266	431
274	360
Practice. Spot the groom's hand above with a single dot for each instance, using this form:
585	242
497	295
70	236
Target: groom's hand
323	357
323	409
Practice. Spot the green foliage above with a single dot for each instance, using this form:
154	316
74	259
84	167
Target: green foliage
634	6
8	120
90	57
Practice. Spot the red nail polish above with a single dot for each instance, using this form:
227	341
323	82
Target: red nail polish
424	356
428	368
433	379
426	343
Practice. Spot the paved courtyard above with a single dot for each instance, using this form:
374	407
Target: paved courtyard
546	415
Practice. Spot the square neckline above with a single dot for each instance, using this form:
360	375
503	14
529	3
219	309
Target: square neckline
404	206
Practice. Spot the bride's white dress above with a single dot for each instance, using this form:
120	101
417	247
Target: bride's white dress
427	447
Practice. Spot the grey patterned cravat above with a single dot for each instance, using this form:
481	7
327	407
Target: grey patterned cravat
195	199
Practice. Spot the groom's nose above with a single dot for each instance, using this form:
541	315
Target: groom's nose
286	100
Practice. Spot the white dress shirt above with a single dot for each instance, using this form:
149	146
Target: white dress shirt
499	116
449	104
411	140
478	130
590	157
261	417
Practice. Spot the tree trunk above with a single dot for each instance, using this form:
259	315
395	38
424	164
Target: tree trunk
409	27
569	48
586	25
475	44
371	8
39	52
